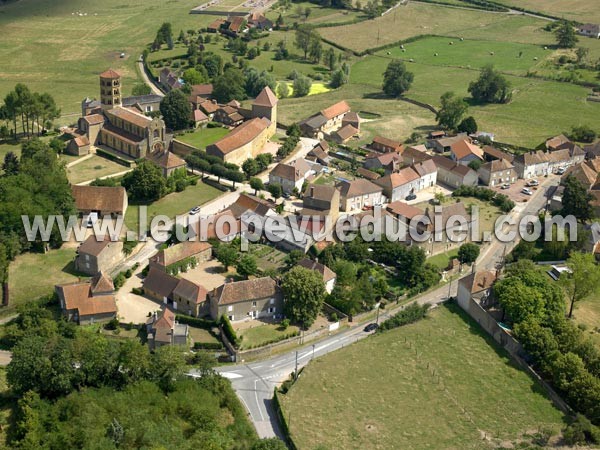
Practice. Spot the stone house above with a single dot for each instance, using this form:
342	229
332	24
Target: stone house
358	194
291	176
169	79
321	200
384	145
532	164
329	276
443	145
163	329
397	186
326	121
90	301
492	153
256	298
259	21
415	154
319	153
497	172
167	257
167	161
590	30
344	134
103	200
243	142
78	146
427	171
390	162
353	119
463	152
478	285
181	294
453	174
98	255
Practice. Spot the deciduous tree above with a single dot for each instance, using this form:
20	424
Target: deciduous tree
452	111
583	280
176	110
304	293
396	79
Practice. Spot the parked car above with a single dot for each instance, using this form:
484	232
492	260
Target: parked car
561	170
532	183
526	191
505	186
194	211
371	327
411	197
91	219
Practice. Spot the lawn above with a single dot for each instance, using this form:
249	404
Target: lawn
407	21
92	168
172	204
442	260
202	137
201	335
587	313
268	257
33	275
317	15
51	49
439	383
537	109
262	334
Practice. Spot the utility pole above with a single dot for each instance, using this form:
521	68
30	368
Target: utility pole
296	371
449	288
377	319
313	355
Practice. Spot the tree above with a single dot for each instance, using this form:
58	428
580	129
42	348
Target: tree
176	110
582	54
256	184
269	444
576	200
301	86
192	76
250	167
583	133
246	266
226	255
11	164
275	190
565	34
520	301
164	35
230	86
304	37
451	112
283	90
4	262
141	89
168	365
304	293
330	59
396	79
468	125
468	253
583	280
256	81
338	78
263	160
490	87
315	50
145	182
475	164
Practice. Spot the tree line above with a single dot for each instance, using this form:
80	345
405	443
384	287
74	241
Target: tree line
35	111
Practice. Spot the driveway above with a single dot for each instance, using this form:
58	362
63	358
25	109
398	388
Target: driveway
134	308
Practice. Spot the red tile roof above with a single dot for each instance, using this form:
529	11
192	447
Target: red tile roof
99	198
245	133
110	74
242	291
336	110
266	98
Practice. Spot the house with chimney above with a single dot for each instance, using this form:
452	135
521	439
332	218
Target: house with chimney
98	255
477	285
187	253
321	200
452	174
382	144
399	185
390	162
326	121
178	293
532	164
444	144
291	176
169	80
257	298
497	173
163	329
463	152
89	301
358	194
319	153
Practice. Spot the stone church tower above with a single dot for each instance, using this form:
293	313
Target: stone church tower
265	105
110	89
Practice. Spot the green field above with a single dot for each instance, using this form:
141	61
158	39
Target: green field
172	204
33	275
92	168
580	10
49	48
262	334
442	260
537	110
318	15
202	137
439	383
407	21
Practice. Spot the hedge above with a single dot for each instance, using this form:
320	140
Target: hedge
196	321
208	346
115	158
412	313
229	331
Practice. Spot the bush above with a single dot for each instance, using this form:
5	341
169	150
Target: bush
119	281
137	291
285	323
412	313
128	273
113	324
196	322
581	431
229	331
208	346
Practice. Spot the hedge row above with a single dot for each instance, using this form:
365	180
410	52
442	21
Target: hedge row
196	321
208	346
229	331
412	313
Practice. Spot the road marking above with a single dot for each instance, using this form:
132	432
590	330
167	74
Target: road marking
257	402
230	375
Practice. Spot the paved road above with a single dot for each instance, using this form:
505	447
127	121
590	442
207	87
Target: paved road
155	89
254	382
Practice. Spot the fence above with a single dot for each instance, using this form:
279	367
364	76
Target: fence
511	345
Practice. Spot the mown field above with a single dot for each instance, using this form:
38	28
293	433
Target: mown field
410	20
51	49
92	168
579	10
439	383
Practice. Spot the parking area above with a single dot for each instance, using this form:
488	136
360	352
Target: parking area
514	191
428	194
134	308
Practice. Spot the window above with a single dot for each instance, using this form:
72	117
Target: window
254	304
271	310
229	308
230	317
272	301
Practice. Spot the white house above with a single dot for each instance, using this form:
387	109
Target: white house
532	164
359	193
291	176
329	276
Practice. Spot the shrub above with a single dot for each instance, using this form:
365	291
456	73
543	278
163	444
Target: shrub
113	324
137	291
229	331
285	323
128	273
412	313
119	281
196	321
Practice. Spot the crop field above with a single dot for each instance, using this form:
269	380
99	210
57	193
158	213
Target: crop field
439	383
537	110
407	21
49	47
579	10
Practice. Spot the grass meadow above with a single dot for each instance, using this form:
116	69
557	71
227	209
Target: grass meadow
49	48
439	383
580	10
202	137
92	168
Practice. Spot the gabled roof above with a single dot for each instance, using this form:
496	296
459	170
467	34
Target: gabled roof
399	208
166	159
368	174
81	141
336	110
94	119
453	209
266	98
129	116
191	291
99	198
208	106
394	180
322	192
532	158
497	154
574	149
179	252
110	74
94	246
247	290
346	132
497	165
556	141
141	100
199	116
101	283
202	89
448	141
358	187
325	271
583	172
414	155
397	146
479	281
241	135
160	282
558	156
443	163
425	167
79	296
463	148
384	158
352	117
